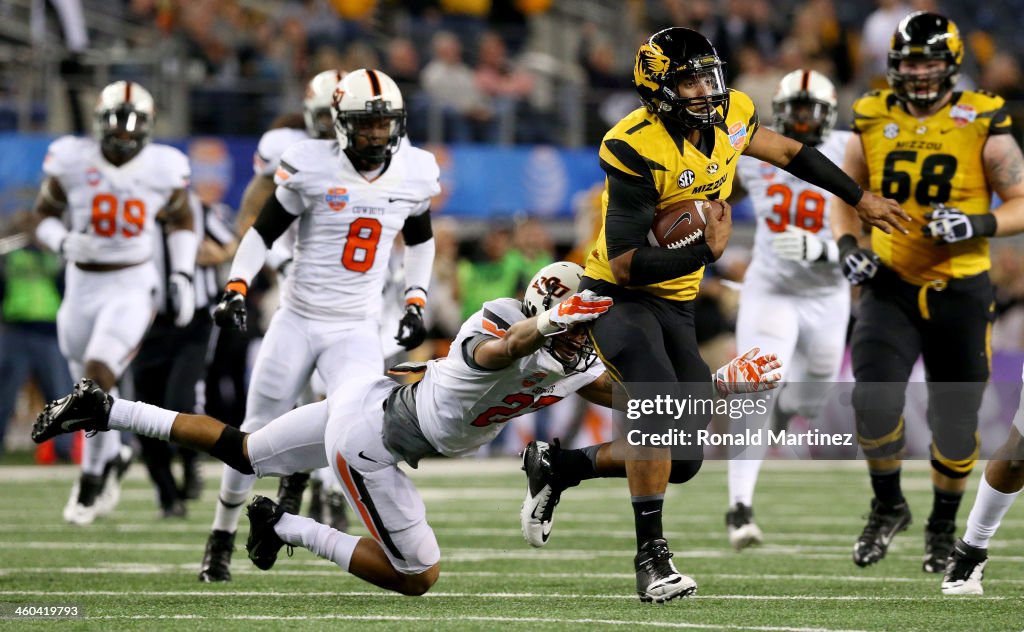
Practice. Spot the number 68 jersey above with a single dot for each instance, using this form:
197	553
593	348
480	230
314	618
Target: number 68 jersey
924	162
347	224
781	200
117	206
461	405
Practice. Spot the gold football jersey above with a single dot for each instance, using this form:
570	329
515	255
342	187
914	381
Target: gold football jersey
639	147
922	163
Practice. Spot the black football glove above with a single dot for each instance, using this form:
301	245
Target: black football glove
230	311
411	330
948	225
859	264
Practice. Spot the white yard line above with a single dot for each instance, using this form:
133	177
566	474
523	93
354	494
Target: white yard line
479	619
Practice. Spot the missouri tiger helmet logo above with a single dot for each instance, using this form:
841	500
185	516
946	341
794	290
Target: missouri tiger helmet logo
651	66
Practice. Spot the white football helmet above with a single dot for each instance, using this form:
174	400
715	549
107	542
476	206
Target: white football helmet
363	98
316	106
552	284
805	106
123	119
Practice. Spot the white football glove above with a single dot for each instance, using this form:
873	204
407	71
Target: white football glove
748	373
183	298
798	244
578	308
948	225
78	247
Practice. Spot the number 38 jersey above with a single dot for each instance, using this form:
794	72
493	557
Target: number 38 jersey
781	199
921	163
116	205
461	405
347	224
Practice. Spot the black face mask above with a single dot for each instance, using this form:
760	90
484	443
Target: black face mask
377	150
123	133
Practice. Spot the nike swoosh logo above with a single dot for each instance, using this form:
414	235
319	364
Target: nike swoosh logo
392	200
679	220
650	513
946	131
363	456
729	159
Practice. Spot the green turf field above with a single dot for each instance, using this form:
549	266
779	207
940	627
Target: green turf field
133	571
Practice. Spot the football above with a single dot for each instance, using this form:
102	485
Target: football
682	224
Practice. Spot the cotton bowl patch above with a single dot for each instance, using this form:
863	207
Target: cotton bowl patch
336	198
737	134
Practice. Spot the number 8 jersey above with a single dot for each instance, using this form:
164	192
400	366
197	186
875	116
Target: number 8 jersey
347	224
116	205
780	200
924	162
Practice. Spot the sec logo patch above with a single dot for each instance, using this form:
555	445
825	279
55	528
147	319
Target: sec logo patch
685	179
336	198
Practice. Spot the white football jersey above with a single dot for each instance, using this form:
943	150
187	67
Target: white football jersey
347	224
117	206
272	144
460	408
781	199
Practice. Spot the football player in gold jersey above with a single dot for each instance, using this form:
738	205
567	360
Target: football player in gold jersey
683	144
941	154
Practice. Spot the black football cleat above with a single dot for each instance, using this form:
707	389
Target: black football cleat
336	509
938	545
217	558
536	516
883	524
964	570
290	490
264	543
86	408
657	579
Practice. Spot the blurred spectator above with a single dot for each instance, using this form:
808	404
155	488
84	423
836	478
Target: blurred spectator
455	101
610	89
1002	75
822	39
758	79
30	283
359	55
875	40
466	19
506	86
510	17
494	272
533	246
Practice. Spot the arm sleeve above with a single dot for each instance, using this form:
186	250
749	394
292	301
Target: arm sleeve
417	229
632	198
419	266
629	216
811	166
274	218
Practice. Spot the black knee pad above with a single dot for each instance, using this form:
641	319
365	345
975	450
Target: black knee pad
683	471
228	449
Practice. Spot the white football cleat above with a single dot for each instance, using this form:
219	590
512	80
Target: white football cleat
965	569
113	473
743	531
80	509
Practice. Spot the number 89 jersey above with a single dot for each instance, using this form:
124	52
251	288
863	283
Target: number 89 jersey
780	200
924	162
347	224
117	206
